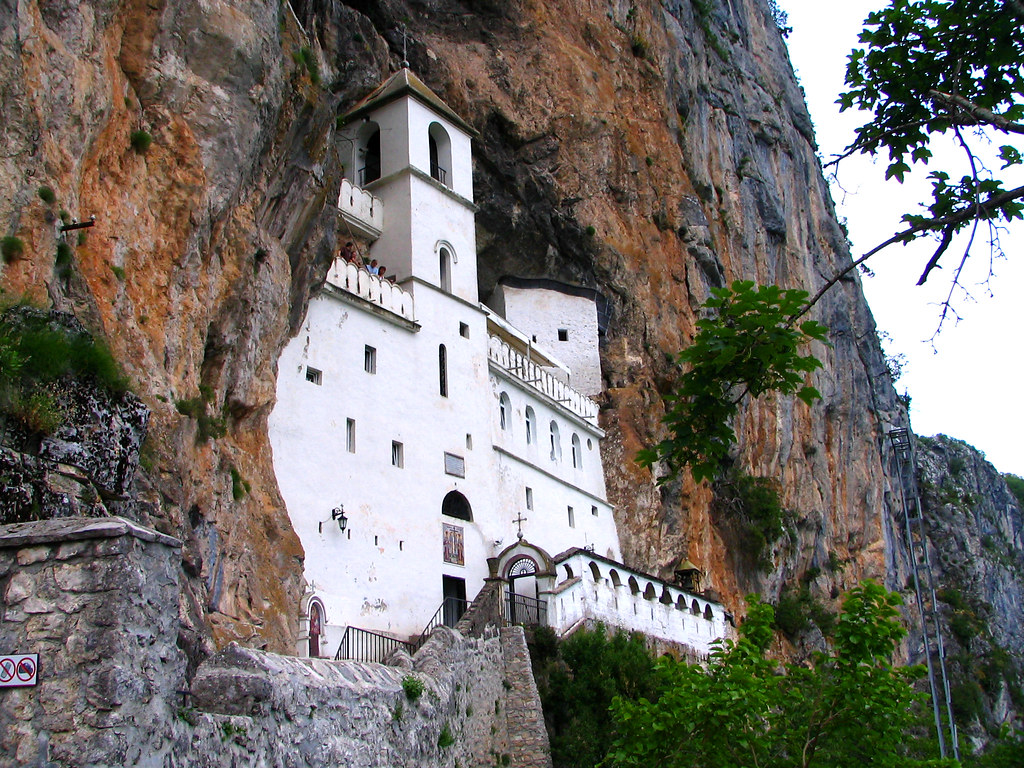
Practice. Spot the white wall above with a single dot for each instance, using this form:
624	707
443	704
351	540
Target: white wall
541	312
584	597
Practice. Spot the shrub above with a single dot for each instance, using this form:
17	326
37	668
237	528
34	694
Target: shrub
638	45
445	739
1016	486
239	485
47	195
591	231
63	258
11	248
413	687
754	510
307	58
118	272
140	141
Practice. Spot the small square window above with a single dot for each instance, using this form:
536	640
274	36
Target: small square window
572	518
563	334
397	454
313	376
464	330
529	498
593	511
370	359
350	435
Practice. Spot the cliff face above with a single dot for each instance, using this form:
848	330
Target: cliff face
648	150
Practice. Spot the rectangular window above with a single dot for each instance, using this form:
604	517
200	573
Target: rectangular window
397	454
464	330
572	518
454	465
563	334
313	376
593	511
529	498
369	359
350	435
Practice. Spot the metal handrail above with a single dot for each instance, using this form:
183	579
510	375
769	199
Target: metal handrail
439	173
363	645
450	611
524	610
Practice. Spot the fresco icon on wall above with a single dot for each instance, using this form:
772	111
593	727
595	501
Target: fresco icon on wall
454	545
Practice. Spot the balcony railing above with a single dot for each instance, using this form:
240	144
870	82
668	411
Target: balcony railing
363	213
439	173
363	645
529	372
356	280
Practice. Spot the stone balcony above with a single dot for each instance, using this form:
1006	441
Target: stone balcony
381	293
361	212
539	378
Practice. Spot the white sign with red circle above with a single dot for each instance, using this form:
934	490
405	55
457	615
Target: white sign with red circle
19	669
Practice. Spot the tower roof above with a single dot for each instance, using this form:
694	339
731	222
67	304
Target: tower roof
402	83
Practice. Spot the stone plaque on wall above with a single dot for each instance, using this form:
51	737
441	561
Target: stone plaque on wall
454	546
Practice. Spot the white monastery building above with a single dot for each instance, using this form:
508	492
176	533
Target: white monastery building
423	441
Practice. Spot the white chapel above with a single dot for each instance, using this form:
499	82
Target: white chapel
424	441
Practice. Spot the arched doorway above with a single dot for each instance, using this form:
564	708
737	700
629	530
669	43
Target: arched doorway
316	628
523	605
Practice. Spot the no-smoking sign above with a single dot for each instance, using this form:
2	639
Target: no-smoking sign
19	669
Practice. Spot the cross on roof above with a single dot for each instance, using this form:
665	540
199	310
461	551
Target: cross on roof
405	47
519	522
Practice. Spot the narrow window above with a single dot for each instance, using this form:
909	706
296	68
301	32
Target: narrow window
563	334
529	498
397	454
504	411
593	511
369	359
469	442
572	518
442	366
556	444
313	376
445	267
464	330
350	435
577	452
531	426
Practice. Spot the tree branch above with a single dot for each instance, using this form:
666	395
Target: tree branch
947	238
938	224
979	113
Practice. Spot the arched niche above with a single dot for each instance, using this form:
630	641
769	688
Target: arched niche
367	153
440	154
595	571
456	505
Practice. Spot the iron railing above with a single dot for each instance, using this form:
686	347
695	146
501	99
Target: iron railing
439	173
526	611
448	614
363	645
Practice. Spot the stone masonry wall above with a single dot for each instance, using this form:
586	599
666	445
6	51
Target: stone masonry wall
98	600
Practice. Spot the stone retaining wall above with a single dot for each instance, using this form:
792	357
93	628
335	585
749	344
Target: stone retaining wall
98	600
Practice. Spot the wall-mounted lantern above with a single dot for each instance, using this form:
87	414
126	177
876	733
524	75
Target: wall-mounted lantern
338	513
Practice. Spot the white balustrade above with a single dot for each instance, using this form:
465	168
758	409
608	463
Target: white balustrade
357	281
536	376
363	212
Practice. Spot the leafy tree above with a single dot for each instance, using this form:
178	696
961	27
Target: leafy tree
932	68
577	680
846	708
749	344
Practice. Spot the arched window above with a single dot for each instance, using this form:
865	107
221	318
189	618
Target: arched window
649	592
615	578
694	608
568	571
316	628
445	267
633	586
556	443
666	596
577	452
442	366
531	426
681	603
456	505
708	614
440	154
595	571
368	154
504	411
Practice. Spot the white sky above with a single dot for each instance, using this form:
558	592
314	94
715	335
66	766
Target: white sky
968	385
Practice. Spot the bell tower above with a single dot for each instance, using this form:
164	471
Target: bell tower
412	151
